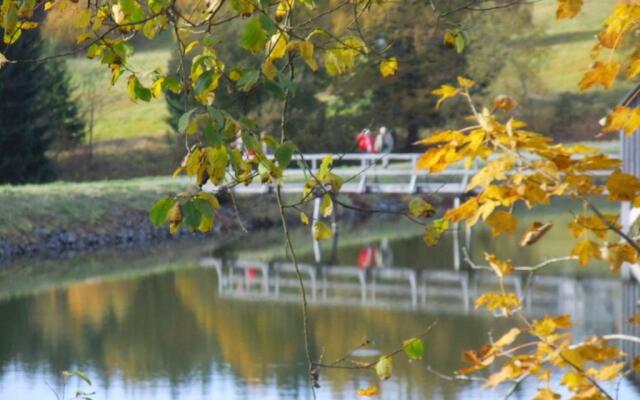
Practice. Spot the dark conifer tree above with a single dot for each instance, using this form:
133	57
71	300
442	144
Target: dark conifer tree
35	111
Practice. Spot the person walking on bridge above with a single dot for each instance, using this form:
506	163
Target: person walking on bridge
365	141
384	144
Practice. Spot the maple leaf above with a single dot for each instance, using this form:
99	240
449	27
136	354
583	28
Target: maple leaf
586	250
568	8
465	211
607	373
445	92
501	268
502	221
603	73
622	118
548	325
546	394
494	300
618	253
623	186
389	67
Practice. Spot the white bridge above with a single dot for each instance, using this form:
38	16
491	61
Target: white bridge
390	173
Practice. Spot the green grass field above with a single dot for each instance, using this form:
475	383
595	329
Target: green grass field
117	117
70	205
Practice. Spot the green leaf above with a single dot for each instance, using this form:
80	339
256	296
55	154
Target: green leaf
211	198
384	367
136	90
459	43
321	231
79	374
191	215
172	84
160	211
204	82
268	24
284	153
248	80
184	120
326	207
420	208
414	348
254	37
204	207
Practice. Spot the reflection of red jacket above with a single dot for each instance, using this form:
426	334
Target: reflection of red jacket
366	143
367	257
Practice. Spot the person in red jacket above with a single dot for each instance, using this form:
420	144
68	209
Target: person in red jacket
365	141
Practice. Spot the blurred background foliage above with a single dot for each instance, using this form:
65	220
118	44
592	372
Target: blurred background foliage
521	51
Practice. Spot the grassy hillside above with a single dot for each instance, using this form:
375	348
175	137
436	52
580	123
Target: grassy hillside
117	117
566	44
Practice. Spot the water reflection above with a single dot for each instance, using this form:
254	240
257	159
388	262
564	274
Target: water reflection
228	326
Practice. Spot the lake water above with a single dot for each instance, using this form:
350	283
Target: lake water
200	320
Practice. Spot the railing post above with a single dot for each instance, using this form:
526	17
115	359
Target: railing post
414	176
456	240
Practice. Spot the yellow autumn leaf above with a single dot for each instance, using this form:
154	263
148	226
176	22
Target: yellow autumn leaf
607	373
444	92
622	118
320	231
546	394
304	218
507	338
500	267
389	67
568	8
465	83
585	250
269	69
619	253
623	187
548	325
602	73
277	47
465	211
534	233
495	300
369	392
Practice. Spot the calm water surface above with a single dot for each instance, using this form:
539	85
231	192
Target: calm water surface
187	321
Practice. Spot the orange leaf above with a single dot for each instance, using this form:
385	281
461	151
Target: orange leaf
568	8
369	392
603	73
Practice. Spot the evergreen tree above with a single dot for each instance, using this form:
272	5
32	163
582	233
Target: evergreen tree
35	112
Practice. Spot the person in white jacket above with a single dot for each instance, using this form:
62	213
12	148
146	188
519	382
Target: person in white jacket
384	144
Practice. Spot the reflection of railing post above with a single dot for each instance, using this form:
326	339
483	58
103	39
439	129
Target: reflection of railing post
464	282
414	288
456	241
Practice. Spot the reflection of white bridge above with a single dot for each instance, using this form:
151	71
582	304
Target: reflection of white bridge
438	291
